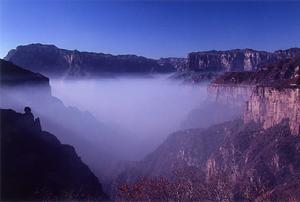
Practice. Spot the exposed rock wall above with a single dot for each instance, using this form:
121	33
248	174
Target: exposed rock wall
229	94
236	60
180	64
271	94
270	106
242	162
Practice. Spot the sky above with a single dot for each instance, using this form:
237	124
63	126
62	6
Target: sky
150	28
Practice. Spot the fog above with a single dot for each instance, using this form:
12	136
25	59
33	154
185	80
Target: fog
118	119
146	109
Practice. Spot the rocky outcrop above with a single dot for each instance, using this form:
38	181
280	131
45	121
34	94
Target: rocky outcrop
12	75
271	94
194	77
233	95
209	65
226	162
236	87
53	61
36	166
180	64
236	60
271	106
284	73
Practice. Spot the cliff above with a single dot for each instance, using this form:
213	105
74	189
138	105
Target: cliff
233	95
270	106
226	162
236	60
236	87
283	73
210	65
53	61
250	159
180	64
36	166
270	94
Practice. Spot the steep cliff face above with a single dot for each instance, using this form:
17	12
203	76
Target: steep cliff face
235	60
179	64
235	95
252	159
52	61
230	161
284	73
237	87
270	106
36	166
272	92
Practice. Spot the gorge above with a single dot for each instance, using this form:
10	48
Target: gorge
252	158
235	138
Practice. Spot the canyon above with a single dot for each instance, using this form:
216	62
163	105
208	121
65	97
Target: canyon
243	144
253	158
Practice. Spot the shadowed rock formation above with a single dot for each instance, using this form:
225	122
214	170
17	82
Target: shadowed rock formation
36	166
52	61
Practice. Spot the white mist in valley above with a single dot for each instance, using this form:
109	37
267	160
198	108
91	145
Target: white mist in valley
118	119
146	110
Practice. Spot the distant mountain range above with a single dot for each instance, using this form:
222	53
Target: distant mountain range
236	60
53	61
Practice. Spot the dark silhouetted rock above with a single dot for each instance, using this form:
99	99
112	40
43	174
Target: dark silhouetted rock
12	75
36	166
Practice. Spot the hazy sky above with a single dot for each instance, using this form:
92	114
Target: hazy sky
149	28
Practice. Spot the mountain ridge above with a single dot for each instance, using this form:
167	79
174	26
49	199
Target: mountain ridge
49	60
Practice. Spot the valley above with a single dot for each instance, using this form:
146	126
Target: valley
237	132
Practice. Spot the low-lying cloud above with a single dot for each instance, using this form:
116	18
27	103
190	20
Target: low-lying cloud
145	109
